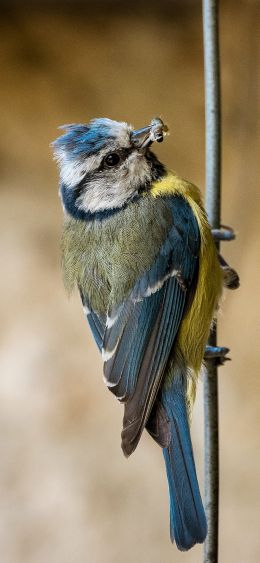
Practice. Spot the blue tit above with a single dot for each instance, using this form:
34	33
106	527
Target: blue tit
137	244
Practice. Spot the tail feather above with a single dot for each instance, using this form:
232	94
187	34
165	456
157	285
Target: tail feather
187	517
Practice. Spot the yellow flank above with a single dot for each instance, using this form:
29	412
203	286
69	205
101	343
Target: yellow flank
196	323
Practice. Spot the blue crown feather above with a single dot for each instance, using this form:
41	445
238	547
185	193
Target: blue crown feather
86	139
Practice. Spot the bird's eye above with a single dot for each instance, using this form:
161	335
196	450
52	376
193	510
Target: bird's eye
112	159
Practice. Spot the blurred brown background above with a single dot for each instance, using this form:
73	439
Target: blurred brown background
67	495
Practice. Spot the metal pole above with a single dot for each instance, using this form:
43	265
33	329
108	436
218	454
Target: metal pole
213	175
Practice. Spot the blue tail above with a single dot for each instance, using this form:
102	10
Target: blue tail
187	517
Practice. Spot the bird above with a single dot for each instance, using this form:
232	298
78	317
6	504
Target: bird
137	244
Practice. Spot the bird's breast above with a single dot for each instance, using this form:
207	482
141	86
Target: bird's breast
105	258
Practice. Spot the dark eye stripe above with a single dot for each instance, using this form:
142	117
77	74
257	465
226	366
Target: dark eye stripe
82	186
77	192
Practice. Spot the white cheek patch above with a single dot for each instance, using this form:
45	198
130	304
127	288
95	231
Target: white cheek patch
72	173
72	170
106	189
139	171
114	189
99	196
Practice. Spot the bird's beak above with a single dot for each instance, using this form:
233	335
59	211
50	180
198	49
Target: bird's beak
143	138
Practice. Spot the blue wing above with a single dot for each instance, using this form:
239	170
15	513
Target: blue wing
140	333
97	322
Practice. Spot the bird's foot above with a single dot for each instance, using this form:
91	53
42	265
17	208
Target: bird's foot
230	276
216	354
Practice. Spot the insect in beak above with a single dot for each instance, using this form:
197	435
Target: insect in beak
144	137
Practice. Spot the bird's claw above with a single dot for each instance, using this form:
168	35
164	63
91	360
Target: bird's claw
230	276
216	354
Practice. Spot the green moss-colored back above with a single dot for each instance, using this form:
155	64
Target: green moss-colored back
105	258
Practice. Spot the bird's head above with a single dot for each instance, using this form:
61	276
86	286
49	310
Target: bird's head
105	164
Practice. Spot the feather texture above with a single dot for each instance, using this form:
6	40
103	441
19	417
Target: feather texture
139	341
150	283
187	518
196	323
97	321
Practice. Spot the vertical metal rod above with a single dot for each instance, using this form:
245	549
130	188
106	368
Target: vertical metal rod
213	178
